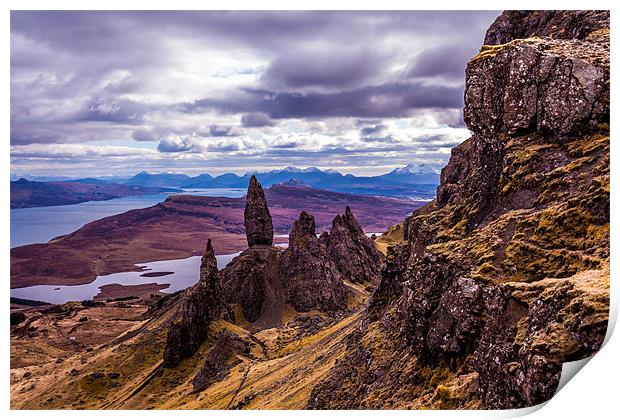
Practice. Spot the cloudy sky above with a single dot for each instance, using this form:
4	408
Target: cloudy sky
114	93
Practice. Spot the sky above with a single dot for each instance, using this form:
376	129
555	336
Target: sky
115	93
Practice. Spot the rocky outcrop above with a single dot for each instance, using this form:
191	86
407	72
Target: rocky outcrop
251	279
310	278
199	305
308	275
557	24
504	276
557	88
353	253
257	219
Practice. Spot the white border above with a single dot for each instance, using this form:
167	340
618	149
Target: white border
592	395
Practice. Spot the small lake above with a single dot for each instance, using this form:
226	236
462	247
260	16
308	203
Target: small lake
185	274
40	224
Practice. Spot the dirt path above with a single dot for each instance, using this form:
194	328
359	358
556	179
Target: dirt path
240	387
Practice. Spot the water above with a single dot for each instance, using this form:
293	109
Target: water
40	224
185	274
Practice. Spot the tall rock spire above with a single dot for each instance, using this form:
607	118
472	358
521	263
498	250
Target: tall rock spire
200	305
258	224
208	267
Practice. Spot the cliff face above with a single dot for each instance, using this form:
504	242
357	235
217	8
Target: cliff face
505	275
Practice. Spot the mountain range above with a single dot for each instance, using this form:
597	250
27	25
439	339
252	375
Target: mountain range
411	181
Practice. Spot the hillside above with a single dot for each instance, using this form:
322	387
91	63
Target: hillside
26	193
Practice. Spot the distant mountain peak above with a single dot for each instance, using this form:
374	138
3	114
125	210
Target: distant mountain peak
417	169
294	182
298	169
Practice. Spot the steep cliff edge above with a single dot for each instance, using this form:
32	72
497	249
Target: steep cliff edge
505	274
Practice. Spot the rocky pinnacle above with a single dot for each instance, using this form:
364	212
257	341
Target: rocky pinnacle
257	219
208	267
200	305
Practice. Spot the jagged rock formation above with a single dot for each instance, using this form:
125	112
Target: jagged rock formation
251	279
311	278
200	305
505	274
307	275
257	219
353	253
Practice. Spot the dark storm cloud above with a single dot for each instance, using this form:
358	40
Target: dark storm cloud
328	68
256	119
376	129
449	61
146	135
29	135
105	31
387	100
221	131
176	145
223	148
289	145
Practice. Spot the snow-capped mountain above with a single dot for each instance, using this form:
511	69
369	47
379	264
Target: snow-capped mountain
418	169
415	174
